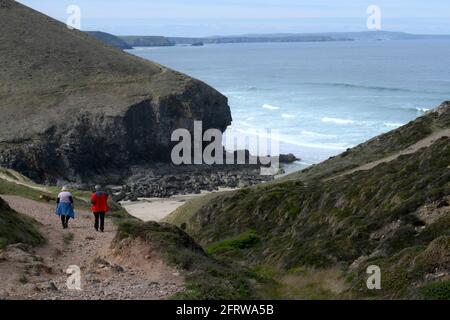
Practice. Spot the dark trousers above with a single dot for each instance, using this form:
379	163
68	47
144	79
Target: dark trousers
65	221
99	216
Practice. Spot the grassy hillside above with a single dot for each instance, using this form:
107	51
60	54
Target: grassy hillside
380	146
185	212
395	215
18	185
15	227
122	108
313	234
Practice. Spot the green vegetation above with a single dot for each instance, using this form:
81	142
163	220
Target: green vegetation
309	222
11	188
332	221
403	269
309	237
243	241
300	283
15	227
16	189
185	212
436	291
206	277
378	147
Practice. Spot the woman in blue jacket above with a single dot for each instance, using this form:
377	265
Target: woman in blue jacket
64	206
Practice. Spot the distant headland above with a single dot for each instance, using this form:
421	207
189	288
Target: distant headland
128	42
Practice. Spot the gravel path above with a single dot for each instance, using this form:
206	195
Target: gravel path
424	143
40	273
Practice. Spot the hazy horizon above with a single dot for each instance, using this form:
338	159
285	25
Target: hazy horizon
201	18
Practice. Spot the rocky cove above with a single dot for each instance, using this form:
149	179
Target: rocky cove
163	180
97	115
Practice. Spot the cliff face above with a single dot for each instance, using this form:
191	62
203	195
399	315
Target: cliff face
73	108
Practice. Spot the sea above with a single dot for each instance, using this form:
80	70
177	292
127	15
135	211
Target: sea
319	98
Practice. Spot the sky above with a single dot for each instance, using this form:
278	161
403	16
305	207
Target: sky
231	17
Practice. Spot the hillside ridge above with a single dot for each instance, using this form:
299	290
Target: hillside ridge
385	202
74	109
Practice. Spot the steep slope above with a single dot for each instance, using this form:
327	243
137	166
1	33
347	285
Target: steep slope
15	227
206	277
72	107
394	214
380	147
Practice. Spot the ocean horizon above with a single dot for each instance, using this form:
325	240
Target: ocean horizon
321	97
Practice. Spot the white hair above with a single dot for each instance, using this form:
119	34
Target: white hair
65	188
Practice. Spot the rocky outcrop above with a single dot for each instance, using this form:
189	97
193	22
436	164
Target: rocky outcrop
164	180
75	109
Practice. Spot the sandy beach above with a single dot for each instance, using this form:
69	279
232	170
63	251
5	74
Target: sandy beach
156	209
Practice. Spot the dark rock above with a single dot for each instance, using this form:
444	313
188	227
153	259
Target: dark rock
172	180
46	286
442	203
288	158
119	197
118	268
87	121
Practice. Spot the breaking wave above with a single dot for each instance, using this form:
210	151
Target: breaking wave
337	121
269	107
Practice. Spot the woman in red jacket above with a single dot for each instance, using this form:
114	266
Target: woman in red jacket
99	202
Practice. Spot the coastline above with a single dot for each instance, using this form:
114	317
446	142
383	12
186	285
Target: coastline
154	194
157	209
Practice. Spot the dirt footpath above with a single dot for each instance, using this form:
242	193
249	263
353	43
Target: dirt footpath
40	273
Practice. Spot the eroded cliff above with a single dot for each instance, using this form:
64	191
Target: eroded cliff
75	109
